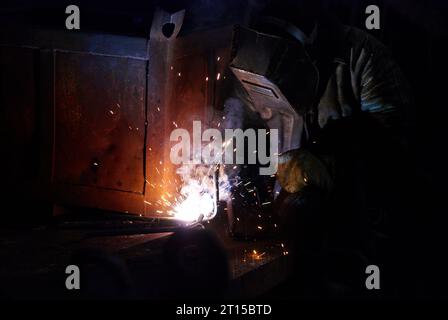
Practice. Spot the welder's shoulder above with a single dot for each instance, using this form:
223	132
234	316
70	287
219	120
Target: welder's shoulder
359	44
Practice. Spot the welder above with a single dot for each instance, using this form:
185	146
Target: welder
341	105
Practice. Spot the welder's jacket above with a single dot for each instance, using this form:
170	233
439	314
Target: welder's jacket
357	74
358	129
363	99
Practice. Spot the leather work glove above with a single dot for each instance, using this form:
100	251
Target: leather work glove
300	168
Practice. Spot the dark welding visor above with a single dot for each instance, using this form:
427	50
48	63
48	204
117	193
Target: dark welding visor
277	73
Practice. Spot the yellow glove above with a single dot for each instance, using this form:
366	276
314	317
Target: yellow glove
299	168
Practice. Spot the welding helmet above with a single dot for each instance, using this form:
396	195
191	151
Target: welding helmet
274	70
277	74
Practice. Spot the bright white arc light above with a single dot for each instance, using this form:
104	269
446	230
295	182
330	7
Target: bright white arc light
199	200
198	194
195	206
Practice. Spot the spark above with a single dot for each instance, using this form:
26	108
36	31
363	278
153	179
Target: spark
256	255
218	76
227	143
111	112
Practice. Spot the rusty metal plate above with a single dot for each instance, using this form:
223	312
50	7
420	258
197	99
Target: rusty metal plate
100	121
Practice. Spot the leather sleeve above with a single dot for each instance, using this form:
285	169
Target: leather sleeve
378	82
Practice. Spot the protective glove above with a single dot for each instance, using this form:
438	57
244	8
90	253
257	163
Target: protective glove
300	168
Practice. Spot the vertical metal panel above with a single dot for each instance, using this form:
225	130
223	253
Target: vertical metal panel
100	121
92	131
